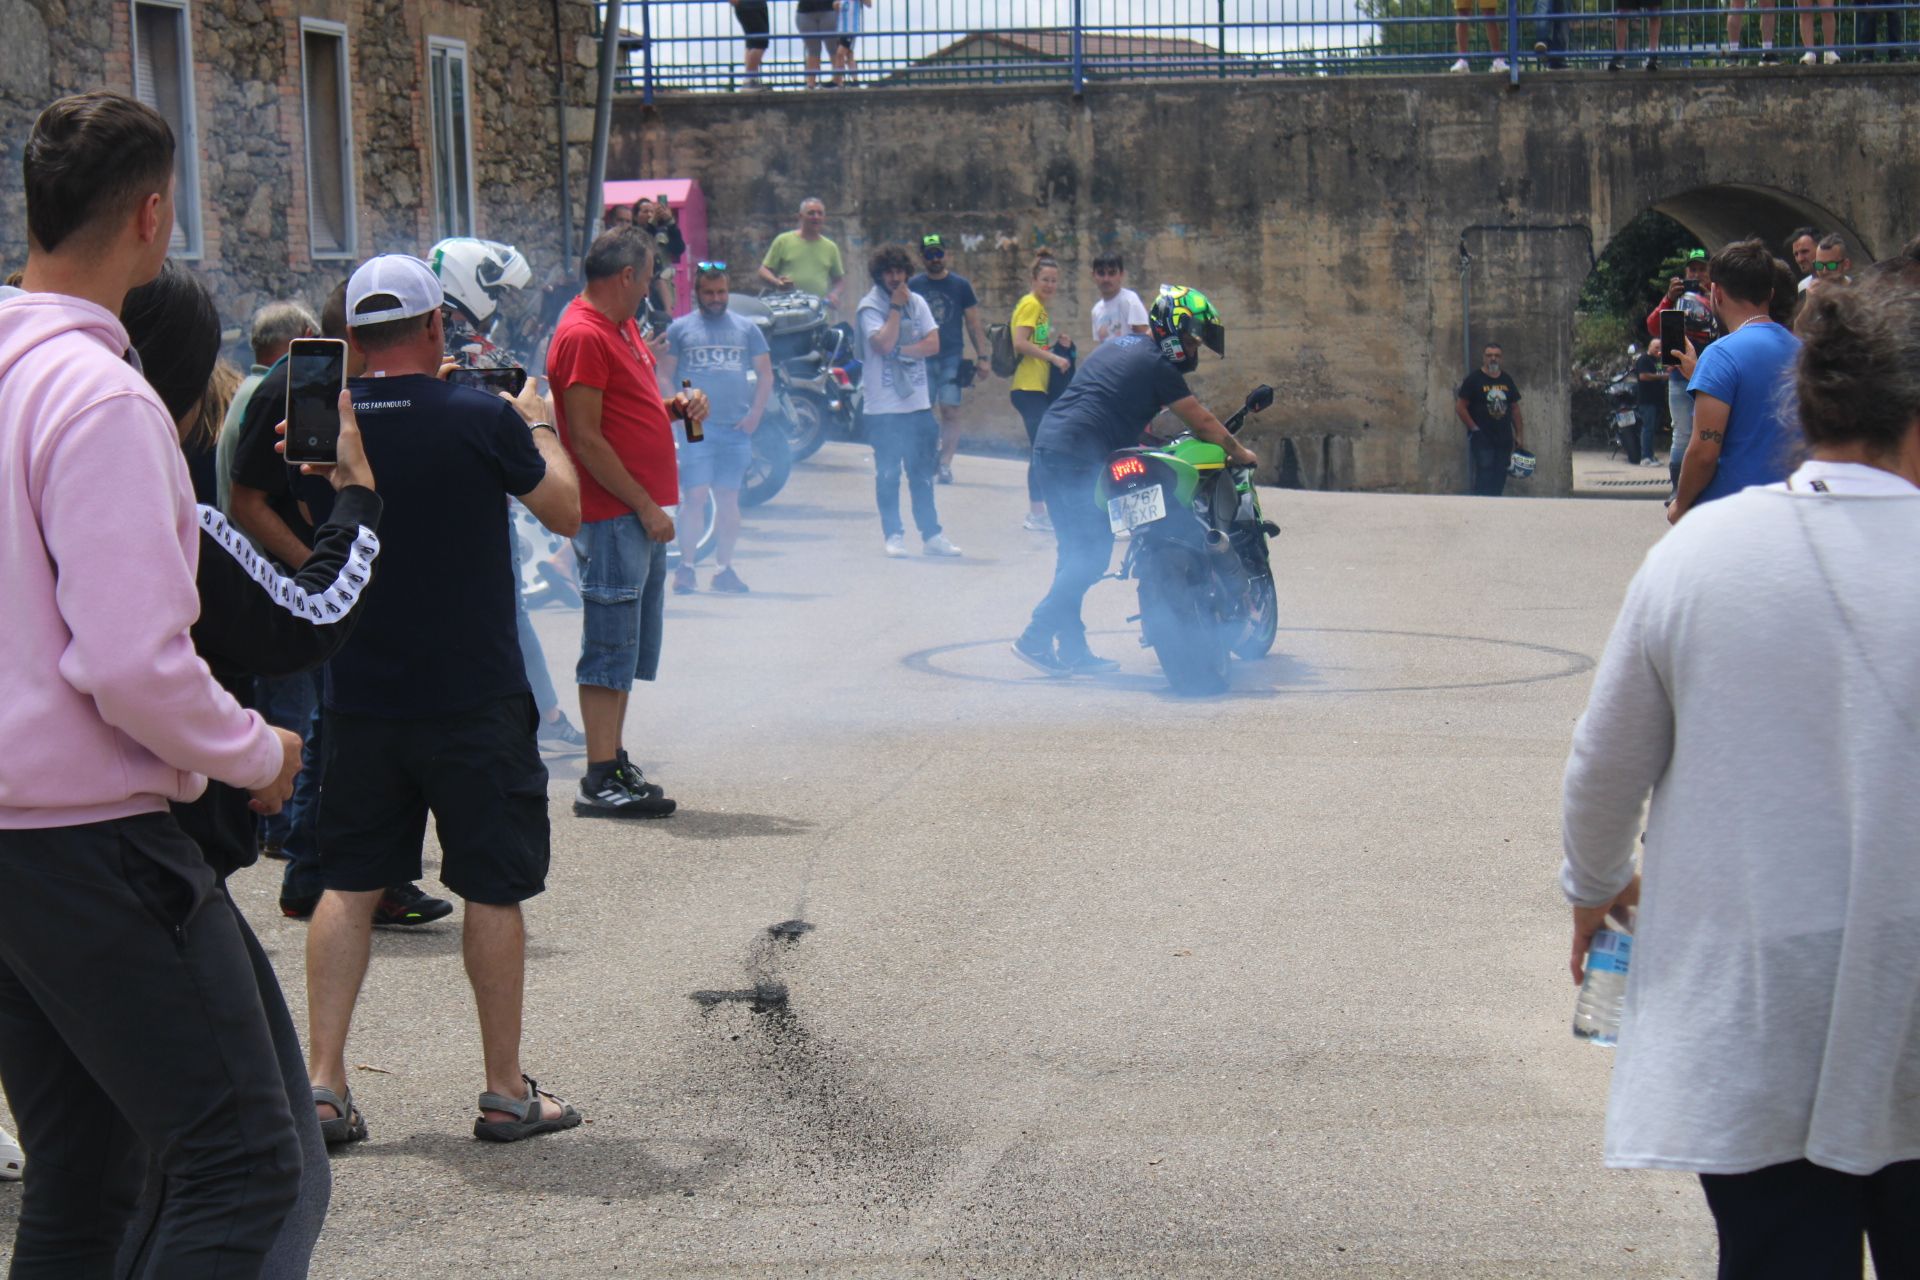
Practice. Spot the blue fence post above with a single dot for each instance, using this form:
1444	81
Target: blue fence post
646	53
1513	42
1079	62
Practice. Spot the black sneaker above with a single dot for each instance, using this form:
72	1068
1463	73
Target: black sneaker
611	797
1039	655
729	582
636	780
1614	64
273	849
1769	59
1087	663
1653	64
298	908
405	905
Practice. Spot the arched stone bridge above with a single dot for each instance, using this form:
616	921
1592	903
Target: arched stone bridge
1359	232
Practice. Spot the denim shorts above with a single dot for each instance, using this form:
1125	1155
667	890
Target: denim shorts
943	379
720	461
623	580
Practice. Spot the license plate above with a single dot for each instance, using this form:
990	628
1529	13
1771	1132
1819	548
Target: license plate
1131	510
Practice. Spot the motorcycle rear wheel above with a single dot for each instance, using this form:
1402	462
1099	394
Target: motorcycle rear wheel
1186	637
767	473
806	426
1263	621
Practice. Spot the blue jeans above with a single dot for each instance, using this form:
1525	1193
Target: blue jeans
1490	458
532	657
1085	548
301	879
1649	424
910	440
1680	409
623	582
1550	29
287	702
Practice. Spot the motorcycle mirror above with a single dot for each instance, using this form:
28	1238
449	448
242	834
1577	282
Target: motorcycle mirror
1260	398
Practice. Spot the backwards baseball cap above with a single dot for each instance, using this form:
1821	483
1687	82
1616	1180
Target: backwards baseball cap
398	286
933	242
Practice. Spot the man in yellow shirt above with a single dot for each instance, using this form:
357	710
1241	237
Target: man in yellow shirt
804	258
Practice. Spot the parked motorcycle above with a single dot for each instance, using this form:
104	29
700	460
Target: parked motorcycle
1197	545
1623	412
815	380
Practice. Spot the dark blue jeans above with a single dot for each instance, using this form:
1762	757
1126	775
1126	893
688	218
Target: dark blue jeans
1649	424
909	440
287	702
1490	462
1086	548
301	879
1550	29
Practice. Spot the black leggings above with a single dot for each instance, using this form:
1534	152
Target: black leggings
1032	406
1799	1221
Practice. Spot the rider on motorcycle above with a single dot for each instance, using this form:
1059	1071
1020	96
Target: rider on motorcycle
1113	397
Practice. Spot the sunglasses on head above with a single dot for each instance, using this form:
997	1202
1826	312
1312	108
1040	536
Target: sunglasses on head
711	266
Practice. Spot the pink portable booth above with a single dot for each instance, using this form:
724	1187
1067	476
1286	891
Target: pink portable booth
689	209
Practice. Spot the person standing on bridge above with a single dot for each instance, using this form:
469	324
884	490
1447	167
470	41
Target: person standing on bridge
1488	406
1736	19
804	258
1463	34
1743	432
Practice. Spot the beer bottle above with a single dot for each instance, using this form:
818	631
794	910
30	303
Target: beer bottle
695	432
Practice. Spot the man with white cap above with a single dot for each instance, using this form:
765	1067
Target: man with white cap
427	707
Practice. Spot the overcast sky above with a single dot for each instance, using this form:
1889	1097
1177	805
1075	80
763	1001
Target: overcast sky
934	23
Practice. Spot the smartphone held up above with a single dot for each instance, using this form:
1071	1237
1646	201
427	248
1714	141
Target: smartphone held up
316	375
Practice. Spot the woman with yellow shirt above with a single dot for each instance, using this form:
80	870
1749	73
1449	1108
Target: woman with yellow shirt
1033	341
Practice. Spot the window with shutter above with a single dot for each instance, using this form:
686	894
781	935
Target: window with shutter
452	138
330	198
163	79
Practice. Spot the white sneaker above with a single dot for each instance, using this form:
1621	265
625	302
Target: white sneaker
1809	59
1831	58
1037	524
1460	67
11	1158
897	545
938	545
1499	67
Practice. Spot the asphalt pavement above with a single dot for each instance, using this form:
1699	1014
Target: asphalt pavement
947	969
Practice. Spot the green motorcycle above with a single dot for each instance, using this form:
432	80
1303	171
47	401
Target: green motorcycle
1197	545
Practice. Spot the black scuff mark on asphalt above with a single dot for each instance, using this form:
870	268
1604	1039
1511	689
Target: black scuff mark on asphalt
823	1111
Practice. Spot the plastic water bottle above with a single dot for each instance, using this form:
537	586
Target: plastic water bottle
1596	1014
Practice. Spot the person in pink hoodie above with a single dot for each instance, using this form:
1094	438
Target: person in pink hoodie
129	1016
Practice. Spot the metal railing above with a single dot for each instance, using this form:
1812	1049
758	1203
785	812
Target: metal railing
682	46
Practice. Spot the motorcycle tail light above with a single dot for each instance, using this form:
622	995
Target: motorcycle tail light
1122	468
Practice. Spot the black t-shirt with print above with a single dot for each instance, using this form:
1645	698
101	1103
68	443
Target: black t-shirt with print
437	634
1490	404
1649	393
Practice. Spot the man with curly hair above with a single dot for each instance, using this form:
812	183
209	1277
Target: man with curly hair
897	335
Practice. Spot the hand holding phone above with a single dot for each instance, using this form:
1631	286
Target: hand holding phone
1673	337
350	466
316	377
507	378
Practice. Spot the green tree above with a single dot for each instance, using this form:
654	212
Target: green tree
1633	272
1394	35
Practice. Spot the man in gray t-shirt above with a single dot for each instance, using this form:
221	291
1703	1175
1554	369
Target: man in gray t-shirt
897	334
715	350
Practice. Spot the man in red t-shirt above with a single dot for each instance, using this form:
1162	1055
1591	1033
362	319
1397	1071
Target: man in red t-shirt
620	434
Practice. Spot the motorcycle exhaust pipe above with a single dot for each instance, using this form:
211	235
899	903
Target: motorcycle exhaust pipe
1226	561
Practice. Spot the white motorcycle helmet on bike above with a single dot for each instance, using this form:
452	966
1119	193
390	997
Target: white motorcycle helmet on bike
474	273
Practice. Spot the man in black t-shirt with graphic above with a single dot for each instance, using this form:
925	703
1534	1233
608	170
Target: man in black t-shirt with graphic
1488	405
1116	393
427	709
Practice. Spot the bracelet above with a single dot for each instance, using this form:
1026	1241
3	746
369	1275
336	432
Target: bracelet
544	426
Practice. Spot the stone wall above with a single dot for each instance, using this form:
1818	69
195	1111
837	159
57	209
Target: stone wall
247	82
1328	217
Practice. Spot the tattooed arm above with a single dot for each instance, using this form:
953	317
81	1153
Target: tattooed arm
1702	458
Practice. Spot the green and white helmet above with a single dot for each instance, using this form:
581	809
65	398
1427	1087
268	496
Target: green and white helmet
1179	313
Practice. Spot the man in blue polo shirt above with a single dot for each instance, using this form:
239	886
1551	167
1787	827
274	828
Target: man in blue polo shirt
1743	427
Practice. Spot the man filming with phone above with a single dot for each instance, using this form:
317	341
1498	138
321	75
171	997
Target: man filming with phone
428	711
620	432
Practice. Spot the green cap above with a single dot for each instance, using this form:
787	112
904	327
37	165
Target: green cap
1696	255
932	242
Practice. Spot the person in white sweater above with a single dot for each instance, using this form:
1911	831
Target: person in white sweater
1763	684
